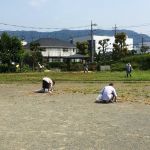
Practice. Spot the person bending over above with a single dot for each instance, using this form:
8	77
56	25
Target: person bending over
107	94
48	84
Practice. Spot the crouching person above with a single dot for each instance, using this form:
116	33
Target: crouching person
107	94
48	84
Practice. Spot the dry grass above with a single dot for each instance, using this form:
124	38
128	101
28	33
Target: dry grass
127	92
137	92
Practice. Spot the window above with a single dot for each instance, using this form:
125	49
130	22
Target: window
56	60
65	50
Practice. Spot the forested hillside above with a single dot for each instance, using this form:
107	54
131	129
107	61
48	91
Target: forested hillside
66	35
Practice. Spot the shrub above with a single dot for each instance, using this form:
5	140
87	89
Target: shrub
3	68
139	61
76	67
59	65
93	66
118	66
26	68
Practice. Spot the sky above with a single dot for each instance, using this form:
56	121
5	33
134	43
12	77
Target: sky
52	15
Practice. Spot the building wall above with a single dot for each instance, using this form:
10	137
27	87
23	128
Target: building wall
58	52
96	38
110	42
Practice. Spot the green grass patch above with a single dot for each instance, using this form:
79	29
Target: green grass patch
74	76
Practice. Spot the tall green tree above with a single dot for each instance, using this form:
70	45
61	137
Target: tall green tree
36	54
21	56
82	47
144	48
120	46
16	49
103	49
10	48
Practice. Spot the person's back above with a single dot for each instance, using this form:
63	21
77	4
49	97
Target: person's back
107	93
48	84
48	80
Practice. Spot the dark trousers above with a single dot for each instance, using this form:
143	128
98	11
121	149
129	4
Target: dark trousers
113	99
128	73
45	85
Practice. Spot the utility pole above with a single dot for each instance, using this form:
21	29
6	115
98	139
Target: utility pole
92	44
115	30
142	44
142	41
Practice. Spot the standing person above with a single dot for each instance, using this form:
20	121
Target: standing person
128	69
85	67
107	94
40	66
48	84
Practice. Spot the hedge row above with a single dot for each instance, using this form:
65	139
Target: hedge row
141	62
5	68
137	61
70	66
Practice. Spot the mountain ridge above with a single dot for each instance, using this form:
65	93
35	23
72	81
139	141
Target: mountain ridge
66	35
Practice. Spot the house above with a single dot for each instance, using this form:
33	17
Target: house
96	39
56	50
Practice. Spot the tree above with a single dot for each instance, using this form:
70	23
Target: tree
35	54
103	49
144	48
16	50
82	47
119	47
10	48
5	43
21	56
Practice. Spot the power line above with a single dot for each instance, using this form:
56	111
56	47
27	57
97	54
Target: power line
41	28
76	27
135	26
22	26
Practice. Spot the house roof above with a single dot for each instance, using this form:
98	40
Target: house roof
50	42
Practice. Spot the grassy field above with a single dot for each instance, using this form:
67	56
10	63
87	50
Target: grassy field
74	76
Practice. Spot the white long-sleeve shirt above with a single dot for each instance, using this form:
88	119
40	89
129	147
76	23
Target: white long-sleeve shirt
107	92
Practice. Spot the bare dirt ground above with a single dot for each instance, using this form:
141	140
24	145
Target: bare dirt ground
70	120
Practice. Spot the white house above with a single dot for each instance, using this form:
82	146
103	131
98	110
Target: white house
97	38
56	50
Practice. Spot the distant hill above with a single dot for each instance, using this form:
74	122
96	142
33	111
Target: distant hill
66	35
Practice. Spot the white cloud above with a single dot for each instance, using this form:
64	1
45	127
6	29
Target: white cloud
37	3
